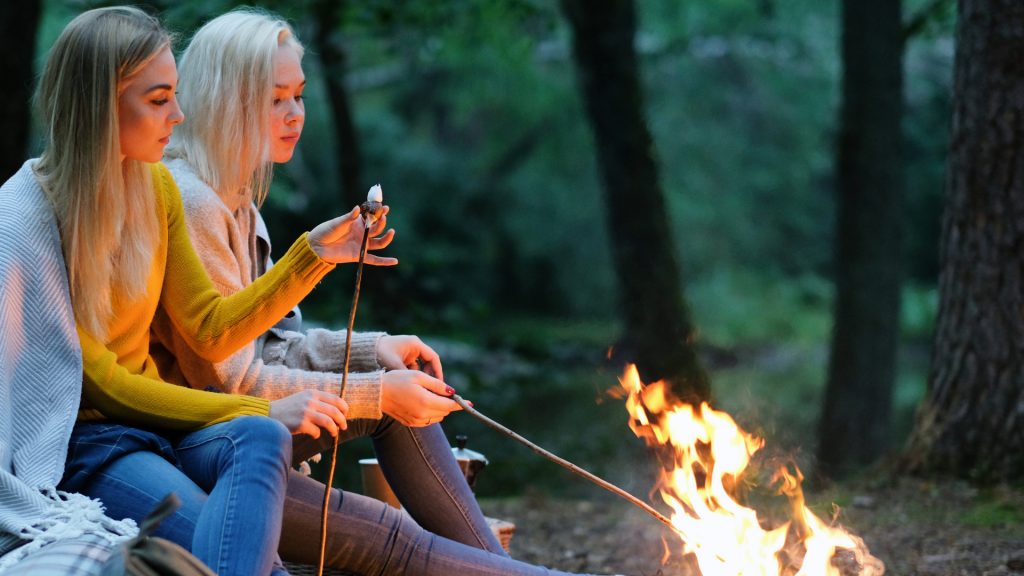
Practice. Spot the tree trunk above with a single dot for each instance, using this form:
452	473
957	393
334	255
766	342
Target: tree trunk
334	63
658	333
970	423
854	427
18	24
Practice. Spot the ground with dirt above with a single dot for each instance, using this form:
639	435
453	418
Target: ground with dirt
915	527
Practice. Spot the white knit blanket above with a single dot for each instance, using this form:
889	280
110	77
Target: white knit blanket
40	381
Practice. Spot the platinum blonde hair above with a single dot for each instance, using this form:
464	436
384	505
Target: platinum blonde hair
225	87
106	208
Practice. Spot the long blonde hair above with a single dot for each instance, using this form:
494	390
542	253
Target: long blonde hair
226	88
106	208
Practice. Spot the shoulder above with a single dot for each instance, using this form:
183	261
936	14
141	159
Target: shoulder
23	205
196	195
21	187
162	178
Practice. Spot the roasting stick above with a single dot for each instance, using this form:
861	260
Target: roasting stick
566	464
368	212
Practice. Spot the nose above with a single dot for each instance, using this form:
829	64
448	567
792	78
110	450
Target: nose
296	113
177	116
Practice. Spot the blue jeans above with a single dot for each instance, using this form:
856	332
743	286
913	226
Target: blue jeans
441	532
230	478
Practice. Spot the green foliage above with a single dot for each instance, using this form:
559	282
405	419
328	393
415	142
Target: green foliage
468	114
737	308
996	511
919	307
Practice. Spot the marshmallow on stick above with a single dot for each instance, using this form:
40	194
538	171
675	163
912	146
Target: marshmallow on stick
371	209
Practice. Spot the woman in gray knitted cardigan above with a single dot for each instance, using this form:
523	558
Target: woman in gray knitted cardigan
241	85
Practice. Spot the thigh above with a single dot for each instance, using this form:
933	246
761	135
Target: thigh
131	486
305	446
252	445
420	468
360	529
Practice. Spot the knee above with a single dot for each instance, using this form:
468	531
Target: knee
264	434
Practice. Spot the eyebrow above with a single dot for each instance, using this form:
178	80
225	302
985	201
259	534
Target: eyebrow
158	87
284	87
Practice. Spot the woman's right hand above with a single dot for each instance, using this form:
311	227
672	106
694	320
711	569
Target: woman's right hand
309	411
415	398
339	240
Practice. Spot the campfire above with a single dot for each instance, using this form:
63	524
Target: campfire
705	455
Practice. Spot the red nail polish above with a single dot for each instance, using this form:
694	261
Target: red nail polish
449	390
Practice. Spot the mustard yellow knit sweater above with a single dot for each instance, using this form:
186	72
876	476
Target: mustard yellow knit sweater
121	381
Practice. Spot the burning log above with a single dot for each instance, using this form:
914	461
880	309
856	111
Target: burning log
710	452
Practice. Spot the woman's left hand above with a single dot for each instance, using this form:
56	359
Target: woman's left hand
339	240
408	352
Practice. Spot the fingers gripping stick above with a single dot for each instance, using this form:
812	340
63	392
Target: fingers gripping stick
371	211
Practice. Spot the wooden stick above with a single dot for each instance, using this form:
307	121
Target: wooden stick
566	464
344	382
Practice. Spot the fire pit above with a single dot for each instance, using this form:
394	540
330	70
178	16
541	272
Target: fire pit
705	455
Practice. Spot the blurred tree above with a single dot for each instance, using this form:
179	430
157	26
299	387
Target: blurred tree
327	18
19	23
970	422
855	421
658	333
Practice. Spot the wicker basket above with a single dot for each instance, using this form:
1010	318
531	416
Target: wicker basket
503	529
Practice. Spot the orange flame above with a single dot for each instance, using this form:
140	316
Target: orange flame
709	453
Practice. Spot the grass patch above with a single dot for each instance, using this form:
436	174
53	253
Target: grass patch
996	511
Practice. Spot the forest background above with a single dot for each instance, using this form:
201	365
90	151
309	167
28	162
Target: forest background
470	115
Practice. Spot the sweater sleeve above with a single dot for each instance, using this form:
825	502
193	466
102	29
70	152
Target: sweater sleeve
213	325
322	350
274	381
213	232
144	399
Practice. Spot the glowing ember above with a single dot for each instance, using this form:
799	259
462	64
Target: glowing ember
709	453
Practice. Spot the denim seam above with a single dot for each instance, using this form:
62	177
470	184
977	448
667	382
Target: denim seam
456	501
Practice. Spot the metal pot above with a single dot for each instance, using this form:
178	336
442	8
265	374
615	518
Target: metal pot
471	462
376	486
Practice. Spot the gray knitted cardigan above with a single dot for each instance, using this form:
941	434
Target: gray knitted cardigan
40	380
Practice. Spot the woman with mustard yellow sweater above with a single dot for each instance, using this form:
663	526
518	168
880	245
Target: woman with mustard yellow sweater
107	98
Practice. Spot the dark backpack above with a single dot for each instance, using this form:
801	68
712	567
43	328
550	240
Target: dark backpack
147	555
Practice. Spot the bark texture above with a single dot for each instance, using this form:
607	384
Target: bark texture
971	423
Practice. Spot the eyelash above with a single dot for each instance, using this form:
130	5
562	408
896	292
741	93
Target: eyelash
298	98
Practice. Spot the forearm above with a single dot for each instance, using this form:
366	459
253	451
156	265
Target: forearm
322	350
146	400
215	326
362	390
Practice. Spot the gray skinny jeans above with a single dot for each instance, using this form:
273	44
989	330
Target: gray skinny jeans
443	534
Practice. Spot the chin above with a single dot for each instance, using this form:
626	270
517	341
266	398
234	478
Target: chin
146	158
282	157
